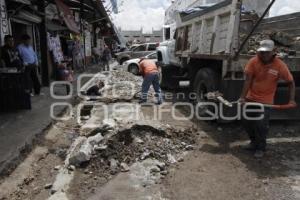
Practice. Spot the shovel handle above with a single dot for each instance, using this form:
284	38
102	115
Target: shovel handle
284	107
276	107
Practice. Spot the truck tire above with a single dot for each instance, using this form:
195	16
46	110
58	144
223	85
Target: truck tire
166	78
205	81
134	69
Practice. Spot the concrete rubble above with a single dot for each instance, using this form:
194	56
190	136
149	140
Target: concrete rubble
61	185
82	150
139	142
285	43
116	86
142	179
116	141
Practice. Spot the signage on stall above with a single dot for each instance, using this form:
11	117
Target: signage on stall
3	21
88	43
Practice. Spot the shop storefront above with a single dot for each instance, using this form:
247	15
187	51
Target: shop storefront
76	27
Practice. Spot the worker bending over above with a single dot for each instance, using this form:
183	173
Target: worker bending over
150	73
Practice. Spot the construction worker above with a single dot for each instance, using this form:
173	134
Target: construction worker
262	75
150	73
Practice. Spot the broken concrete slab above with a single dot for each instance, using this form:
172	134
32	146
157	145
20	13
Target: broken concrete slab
113	165
112	117
59	196
124	167
118	86
171	159
94	140
82	149
138	183
62	182
75	147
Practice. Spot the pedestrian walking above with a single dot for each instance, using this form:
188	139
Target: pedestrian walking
106	56
262	75
30	62
150	73
78	57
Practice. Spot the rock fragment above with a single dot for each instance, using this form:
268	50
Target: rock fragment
48	186
113	165
124	167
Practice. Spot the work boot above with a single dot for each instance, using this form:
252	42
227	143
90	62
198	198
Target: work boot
259	154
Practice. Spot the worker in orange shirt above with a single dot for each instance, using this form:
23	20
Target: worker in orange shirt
150	73
262	75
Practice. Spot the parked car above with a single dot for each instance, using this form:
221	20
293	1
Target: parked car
137	52
132	65
118	49
133	46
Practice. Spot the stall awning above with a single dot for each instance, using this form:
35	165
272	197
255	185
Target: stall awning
67	16
27	16
27	2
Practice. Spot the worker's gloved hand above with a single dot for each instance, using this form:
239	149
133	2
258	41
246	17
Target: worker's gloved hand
293	103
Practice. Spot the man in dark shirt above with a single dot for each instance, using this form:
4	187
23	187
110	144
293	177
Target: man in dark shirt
106	56
9	55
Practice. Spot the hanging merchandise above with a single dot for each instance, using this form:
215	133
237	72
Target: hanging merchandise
54	46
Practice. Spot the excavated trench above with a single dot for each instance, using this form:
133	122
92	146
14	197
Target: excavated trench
127	147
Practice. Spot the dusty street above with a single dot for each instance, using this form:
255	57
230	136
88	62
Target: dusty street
76	122
132	155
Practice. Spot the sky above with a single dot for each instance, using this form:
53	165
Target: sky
282	7
149	14
134	14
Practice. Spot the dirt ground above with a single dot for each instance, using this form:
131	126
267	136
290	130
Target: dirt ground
216	168
218	171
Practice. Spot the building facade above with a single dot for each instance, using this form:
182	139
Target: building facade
59	29
132	37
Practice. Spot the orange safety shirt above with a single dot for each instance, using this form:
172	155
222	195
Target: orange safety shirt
148	66
265	79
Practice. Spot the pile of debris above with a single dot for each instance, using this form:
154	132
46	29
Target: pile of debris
285	43
139	143
129	144
111	87
108	150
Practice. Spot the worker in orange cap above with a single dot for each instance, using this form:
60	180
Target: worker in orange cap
262	75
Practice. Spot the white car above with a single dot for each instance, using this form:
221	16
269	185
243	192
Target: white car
132	65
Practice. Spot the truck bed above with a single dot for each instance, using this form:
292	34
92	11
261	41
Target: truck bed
219	30
286	23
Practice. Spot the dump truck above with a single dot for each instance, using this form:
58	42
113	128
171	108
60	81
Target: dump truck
211	47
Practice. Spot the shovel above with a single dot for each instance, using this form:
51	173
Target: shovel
217	96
